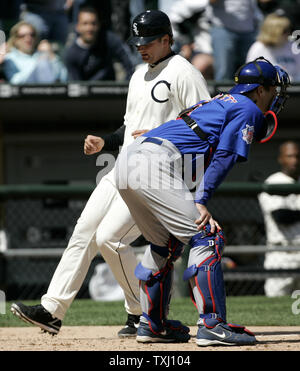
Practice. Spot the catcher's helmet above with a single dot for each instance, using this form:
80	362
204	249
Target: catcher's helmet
250	75
261	72
148	26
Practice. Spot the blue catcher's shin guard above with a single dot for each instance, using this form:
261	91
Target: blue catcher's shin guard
206	277
155	286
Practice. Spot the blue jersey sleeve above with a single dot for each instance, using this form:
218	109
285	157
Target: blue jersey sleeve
216	172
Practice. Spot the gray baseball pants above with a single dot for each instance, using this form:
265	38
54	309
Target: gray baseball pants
149	179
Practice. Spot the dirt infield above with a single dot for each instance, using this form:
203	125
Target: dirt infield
104	338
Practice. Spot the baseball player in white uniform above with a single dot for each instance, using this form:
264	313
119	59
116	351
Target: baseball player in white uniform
158	91
282	222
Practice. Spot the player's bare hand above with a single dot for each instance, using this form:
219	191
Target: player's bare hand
138	133
93	144
206	217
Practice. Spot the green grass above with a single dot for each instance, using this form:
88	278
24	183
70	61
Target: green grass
246	310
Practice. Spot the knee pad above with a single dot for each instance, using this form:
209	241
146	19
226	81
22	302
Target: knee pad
206	277
206	238
157	285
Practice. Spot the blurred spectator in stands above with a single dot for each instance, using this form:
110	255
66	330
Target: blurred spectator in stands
30	61
290	8
103	9
49	17
93	53
273	43
113	15
120	18
192	34
234	28
282	221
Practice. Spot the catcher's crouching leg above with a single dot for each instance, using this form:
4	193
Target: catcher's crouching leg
206	276
206	279
156	278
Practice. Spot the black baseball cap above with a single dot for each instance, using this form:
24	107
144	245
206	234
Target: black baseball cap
148	26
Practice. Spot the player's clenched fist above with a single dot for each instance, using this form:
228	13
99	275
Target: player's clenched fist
93	144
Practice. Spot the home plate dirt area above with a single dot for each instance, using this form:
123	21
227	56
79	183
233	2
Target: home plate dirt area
104	338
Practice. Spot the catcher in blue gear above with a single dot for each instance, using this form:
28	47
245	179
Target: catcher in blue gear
212	135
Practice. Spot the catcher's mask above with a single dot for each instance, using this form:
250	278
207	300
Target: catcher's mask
262	72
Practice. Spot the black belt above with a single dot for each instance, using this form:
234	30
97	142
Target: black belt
193	125
153	140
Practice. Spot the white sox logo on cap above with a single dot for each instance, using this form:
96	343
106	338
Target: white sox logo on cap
135	29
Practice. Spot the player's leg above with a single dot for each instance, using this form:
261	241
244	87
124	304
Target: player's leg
156	274
74	263
114	235
150	208
175	211
205	274
206	279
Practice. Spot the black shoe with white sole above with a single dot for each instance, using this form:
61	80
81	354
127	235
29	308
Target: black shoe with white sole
131	327
37	315
173	332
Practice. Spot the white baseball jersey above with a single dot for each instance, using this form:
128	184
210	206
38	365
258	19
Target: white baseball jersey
157	94
276	234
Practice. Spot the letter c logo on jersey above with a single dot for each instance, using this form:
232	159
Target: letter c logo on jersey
160	91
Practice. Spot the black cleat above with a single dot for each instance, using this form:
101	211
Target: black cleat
37	315
130	328
173	332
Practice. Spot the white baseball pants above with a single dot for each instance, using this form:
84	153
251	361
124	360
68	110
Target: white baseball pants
104	226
